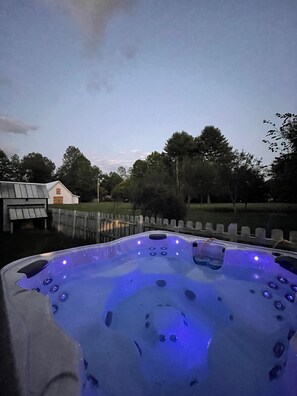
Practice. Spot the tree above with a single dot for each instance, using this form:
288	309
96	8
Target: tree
15	168
213	146
284	138
284	168
110	181
78	174
244	179
200	178
4	166
215	152
122	172
152	188
36	169
178	147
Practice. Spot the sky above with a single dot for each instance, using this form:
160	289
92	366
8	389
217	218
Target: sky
116	78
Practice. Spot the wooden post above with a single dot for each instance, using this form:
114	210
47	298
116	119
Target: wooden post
140	223
98	227
74	224
59	220
85	226
232	232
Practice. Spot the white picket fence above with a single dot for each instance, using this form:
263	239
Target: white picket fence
103	227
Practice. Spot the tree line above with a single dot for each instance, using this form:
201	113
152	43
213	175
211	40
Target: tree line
204	168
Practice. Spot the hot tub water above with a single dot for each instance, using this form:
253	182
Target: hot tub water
176	317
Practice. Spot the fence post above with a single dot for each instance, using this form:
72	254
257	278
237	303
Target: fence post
98	227
232	232
59	220
85	226
140	223
74	224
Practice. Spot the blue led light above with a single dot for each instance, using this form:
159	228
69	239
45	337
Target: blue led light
47	281
64	262
164	253
266	294
282	280
177	241
63	297
290	297
294	288
173	338
138	242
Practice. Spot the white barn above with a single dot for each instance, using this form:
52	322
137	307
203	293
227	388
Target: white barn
59	194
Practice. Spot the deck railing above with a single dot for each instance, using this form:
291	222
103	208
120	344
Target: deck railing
99	227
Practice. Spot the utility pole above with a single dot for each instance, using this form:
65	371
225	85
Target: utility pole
98	189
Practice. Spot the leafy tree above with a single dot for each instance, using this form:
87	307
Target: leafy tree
284	168
110	181
36	169
215	156
15	168
213	146
77	173
200	177
244	179
122	172
4	166
283	138
178	147
122	191
152	188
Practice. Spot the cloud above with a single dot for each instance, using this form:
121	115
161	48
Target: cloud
11	125
92	16
122	158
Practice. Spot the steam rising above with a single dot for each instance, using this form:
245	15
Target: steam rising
92	16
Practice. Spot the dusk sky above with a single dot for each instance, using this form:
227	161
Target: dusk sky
116	78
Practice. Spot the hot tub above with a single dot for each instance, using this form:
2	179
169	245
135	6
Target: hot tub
155	314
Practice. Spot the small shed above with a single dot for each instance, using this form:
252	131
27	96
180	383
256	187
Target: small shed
59	194
22	204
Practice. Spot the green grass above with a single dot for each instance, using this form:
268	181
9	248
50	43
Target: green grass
267	215
104	207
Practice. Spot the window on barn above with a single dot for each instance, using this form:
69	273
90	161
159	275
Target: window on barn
58	191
